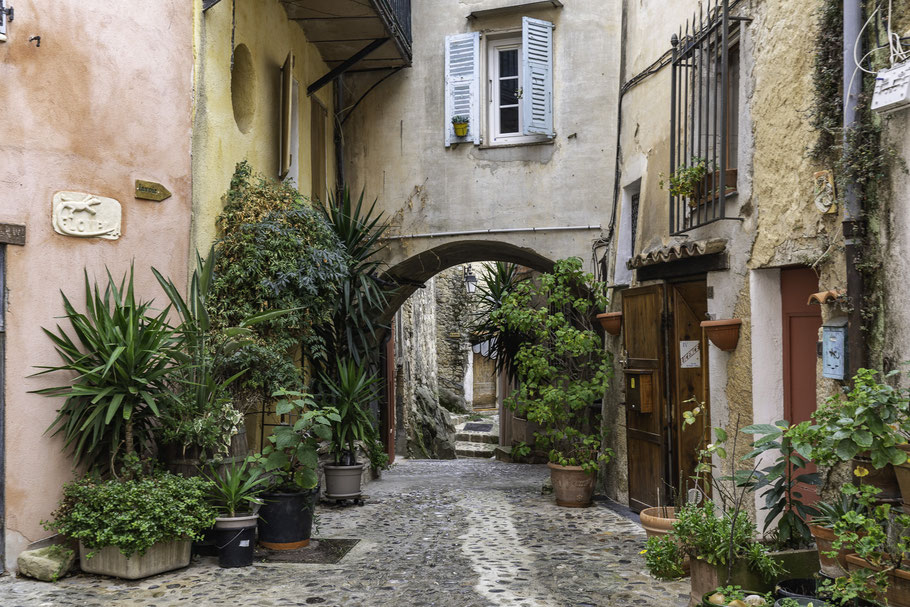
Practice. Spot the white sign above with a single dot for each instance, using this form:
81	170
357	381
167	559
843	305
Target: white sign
86	215
689	354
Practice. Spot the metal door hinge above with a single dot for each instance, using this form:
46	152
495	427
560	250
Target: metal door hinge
6	11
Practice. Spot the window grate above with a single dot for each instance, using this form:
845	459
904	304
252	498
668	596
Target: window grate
700	118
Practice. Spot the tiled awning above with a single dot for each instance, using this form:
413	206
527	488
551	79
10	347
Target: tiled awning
682	250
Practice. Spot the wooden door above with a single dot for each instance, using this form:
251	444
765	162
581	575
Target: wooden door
800	323
645	395
318	149
688	304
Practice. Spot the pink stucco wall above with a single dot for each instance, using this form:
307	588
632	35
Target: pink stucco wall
105	100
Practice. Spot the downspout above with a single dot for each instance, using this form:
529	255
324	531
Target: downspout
338	137
853	87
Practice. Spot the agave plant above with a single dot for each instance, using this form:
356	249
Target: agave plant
122	361
362	296
350	394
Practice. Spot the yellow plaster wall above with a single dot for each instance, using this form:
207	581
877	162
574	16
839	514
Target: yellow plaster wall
218	143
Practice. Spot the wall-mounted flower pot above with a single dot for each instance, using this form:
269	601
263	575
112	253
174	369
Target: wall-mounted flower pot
461	128
611	322
723	333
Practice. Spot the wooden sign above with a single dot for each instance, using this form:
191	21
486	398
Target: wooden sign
149	190
11	233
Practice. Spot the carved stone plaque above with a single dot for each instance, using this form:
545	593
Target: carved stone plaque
86	215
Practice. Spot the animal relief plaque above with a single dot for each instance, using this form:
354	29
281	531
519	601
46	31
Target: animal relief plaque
86	215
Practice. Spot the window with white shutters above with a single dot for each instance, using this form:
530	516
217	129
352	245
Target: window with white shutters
515	105
462	85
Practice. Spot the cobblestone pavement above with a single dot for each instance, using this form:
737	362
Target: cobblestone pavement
464	533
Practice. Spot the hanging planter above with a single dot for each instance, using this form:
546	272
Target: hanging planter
611	322
460	124
723	333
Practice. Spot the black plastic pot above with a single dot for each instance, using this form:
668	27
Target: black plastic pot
236	539
795	588
286	519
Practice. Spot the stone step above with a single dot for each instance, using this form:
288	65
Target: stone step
478	437
458	420
481	450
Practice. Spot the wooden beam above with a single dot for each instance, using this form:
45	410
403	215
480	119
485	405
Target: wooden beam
343	67
517	7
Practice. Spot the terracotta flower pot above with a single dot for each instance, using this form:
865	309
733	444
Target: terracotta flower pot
657	520
611	322
723	333
898	593
572	486
831	566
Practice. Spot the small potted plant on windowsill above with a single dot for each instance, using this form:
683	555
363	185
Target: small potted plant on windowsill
460	124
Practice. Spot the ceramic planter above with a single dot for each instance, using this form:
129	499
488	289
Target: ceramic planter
723	333
160	557
461	128
611	322
342	481
572	486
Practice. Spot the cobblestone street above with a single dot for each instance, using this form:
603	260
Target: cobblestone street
442	533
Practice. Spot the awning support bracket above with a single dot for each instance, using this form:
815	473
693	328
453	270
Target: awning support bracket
346	65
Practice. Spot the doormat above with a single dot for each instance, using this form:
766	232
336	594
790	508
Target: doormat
477	427
320	552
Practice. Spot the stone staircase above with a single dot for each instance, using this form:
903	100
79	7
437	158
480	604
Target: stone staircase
473	442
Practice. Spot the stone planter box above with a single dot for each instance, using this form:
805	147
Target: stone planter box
161	557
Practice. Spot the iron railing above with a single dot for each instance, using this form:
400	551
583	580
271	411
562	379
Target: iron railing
399	13
699	117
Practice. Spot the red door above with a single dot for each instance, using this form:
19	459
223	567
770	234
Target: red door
801	322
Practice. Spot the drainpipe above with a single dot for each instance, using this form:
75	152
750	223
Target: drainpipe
339	138
853	87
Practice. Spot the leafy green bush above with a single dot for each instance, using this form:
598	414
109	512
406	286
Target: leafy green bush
700	533
133	514
276	253
562	365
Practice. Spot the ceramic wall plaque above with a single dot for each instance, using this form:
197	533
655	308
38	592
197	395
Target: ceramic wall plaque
86	215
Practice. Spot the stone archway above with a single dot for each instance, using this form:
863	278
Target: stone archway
418	410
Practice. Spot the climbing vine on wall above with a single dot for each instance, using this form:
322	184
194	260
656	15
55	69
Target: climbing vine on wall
827	110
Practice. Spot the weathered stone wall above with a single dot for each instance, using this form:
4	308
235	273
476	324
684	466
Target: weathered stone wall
453	348
422	422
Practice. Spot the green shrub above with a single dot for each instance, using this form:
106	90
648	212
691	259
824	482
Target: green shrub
133	514
276	253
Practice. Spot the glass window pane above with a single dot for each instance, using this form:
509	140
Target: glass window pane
508	91
508	120
508	63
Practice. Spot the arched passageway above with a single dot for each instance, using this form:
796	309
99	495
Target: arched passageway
430	361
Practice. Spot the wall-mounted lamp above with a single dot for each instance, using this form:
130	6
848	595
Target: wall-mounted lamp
470	281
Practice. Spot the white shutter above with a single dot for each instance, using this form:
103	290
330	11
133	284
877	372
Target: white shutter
537	77
463	85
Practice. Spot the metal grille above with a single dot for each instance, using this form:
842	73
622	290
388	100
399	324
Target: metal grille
401	11
699	116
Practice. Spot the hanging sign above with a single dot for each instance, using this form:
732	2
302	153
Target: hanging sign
689	354
11	233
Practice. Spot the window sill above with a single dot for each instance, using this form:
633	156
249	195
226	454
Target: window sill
517	144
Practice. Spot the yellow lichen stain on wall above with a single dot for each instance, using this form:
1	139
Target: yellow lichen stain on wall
218	143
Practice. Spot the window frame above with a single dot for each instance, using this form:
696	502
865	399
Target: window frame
491	43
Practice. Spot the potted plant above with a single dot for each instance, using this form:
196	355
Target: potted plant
878	543
234	491
833	562
868	425
800	602
611	322
291	460
686	181
562	369
120	367
460	124
136	526
350	393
